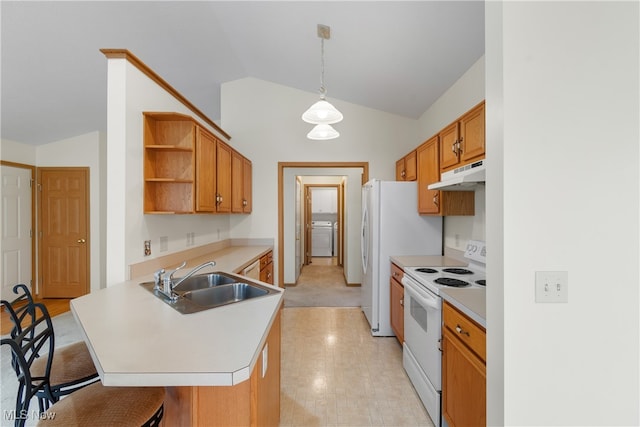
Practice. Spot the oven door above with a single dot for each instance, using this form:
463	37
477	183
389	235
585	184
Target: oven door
423	329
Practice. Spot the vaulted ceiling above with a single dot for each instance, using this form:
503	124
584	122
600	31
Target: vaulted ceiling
393	56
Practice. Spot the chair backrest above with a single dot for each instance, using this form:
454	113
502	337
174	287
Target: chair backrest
28	341
19	308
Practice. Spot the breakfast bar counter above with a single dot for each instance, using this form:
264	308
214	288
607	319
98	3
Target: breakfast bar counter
219	366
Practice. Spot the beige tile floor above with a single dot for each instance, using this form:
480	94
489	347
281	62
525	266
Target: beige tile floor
334	373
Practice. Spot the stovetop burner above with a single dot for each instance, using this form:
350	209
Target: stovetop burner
426	270
481	282
457	270
448	281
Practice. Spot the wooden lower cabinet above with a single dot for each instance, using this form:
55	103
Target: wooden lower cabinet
397	302
464	371
255	402
266	268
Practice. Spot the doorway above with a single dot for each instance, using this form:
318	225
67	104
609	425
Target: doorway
18	227
287	190
323	210
64	258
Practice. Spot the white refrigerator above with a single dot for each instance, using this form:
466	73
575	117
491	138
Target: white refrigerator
391	226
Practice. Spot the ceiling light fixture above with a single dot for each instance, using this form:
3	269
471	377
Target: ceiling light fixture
322	113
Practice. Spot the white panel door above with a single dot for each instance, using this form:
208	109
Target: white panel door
16	229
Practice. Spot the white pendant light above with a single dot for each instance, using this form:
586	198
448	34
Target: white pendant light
322	113
322	132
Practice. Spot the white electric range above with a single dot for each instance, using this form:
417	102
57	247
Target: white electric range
422	357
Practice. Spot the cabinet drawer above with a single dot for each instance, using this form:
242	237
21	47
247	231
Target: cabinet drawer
468	331
396	272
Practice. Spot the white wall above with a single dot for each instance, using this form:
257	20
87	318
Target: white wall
264	121
130	92
465	93
17	152
569	155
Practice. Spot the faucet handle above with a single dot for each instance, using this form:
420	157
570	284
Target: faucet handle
157	278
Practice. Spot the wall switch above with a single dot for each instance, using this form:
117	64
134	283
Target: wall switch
552	286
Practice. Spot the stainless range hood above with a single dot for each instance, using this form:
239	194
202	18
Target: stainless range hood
463	178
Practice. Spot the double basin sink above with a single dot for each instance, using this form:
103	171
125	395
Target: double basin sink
206	291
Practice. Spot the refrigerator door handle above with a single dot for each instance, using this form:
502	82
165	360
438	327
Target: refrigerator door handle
364	247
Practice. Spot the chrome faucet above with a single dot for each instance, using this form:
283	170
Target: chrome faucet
191	273
165	284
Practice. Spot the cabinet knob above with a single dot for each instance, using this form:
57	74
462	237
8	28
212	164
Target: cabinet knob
244	202
82	241
402	302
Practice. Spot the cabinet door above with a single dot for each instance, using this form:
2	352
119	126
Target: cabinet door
205	172
472	134
448	147
397	309
463	375
237	176
247	185
223	177
411	166
400	172
266	274
428	173
265	381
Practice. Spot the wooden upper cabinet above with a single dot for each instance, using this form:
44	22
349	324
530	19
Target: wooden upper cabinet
187	169
463	141
247	185
406	167
435	202
169	163
205	172
240	183
223	177
237	162
428	173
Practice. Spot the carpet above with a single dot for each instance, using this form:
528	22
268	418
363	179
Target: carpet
322	286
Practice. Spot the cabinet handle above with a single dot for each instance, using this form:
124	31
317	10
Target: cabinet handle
244	202
436	199
402	302
460	145
402	174
453	146
461	331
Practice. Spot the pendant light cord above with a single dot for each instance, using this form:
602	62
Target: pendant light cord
323	91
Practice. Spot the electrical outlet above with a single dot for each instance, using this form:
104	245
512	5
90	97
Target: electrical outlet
552	286
147	247
164	243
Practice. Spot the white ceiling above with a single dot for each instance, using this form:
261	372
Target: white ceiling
392	56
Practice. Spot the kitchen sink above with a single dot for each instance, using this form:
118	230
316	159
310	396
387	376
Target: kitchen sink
207	291
225	294
205	281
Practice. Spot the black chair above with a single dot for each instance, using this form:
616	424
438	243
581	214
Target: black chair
72	366
92	405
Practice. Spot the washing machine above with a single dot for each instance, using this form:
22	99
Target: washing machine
321	238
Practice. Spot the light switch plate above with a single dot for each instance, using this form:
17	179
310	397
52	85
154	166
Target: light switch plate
552	286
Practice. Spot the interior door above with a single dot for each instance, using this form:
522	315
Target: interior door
16	229
64	232
307	225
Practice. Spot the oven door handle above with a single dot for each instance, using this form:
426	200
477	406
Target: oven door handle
424	298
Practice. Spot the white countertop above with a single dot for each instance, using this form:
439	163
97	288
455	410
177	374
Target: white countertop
136	339
471	302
